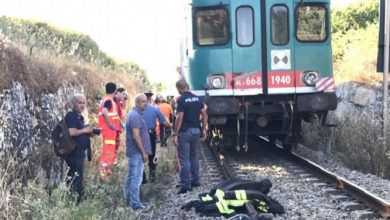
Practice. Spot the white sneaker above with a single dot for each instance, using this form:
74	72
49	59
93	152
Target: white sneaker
143	208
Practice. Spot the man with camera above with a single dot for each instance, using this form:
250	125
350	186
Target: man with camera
80	134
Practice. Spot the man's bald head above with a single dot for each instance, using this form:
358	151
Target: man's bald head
140	101
79	103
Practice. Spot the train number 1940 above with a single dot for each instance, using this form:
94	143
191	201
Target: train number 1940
281	80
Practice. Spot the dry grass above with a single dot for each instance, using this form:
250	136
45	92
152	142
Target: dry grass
314	137
23	197
27	199
43	73
357	141
358	60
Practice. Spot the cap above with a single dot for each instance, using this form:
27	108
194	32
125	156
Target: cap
149	94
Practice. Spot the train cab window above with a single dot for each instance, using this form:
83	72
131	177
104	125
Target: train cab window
311	23
245	33
279	25
211	26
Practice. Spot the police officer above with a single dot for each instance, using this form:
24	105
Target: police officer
151	115
188	134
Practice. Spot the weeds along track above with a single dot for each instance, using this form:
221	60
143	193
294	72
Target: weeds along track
306	190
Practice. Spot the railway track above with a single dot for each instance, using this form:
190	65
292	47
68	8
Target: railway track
361	198
229	172
370	200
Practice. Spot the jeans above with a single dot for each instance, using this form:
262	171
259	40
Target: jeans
75	174
133	180
188	158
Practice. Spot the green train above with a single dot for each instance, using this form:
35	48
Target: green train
262	66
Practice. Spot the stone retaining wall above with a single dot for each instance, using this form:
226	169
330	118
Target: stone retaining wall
357	140
26	122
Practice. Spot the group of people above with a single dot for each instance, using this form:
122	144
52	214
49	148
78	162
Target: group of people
189	128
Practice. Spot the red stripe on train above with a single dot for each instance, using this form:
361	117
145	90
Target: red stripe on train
326	83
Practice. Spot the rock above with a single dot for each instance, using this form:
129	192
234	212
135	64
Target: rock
346	90
343	109
364	97
26	122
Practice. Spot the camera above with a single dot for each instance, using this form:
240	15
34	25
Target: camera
96	131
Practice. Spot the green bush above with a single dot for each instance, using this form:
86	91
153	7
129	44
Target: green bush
355	42
356	16
355	55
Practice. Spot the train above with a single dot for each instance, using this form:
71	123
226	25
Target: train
260	66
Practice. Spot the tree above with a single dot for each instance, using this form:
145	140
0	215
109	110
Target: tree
159	87
355	16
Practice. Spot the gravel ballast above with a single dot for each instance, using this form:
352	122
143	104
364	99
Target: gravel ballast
302	195
372	183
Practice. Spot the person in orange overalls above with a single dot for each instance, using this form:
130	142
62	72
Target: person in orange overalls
166	110
109	122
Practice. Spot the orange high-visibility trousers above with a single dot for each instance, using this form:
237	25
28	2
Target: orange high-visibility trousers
108	153
117	143
117	140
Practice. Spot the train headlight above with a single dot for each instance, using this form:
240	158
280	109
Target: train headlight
217	81
311	78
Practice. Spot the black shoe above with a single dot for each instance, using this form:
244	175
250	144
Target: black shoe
195	184
152	175
144	180
181	191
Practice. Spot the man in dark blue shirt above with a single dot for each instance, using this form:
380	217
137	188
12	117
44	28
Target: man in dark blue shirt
80	133
187	128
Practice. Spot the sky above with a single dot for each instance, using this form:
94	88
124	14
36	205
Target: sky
343	3
147	32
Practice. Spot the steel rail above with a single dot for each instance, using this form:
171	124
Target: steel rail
376	203
228	172
370	200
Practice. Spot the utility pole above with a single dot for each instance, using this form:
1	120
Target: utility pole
386	69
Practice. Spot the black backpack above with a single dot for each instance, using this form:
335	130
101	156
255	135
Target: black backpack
63	143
